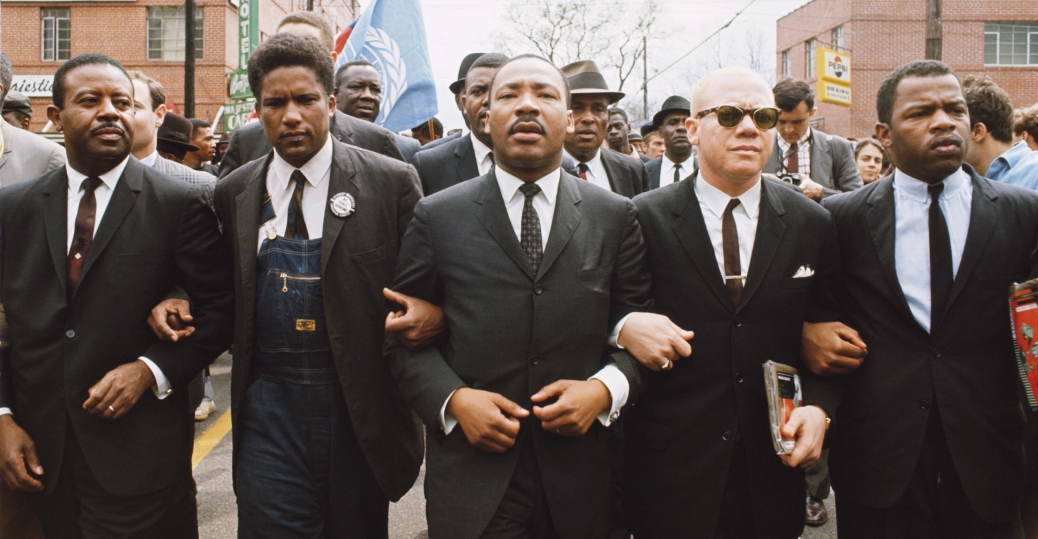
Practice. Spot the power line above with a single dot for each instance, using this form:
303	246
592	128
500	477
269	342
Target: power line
701	43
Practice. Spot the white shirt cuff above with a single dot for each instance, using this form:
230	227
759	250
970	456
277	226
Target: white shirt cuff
161	388
447	421
619	389
6	411
616	334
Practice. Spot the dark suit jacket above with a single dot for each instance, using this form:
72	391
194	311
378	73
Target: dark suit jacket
443	140
407	146
249	142
680	434
968	365
512	332
627	176
156	233
655	167
358	257
832	163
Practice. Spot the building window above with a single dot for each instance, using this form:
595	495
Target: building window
55	34
837	38
785	63
809	59
1010	43
166	33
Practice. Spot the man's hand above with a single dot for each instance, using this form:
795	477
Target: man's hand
806	425
169	320
811	189
489	421
18	457
831	348
419	325
577	407
118	392
654	340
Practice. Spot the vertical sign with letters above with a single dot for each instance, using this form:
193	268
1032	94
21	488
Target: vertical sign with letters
248	30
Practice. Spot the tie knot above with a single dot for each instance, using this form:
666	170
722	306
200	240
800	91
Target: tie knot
530	189
732	204
582	167
935	190
491	157
793	147
299	178
90	184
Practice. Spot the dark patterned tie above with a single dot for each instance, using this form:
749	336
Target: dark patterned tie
83	235
677	173
582	171
730	249
296	223
530	233
793	159
940	258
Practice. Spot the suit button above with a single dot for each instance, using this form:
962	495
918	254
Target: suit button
537	290
738	378
614	416
935	352
738	322
536	360
727	435
924	404
70	334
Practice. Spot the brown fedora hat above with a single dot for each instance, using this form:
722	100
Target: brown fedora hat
584	78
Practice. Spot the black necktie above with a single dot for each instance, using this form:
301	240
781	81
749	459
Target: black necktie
491	157
296	227
730	249
940	258
582	171
677	173
83	235
530	227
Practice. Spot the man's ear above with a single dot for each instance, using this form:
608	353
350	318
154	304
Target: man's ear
331	106
978	132
160	115
883	135
813	112
571	125
692	127
54	115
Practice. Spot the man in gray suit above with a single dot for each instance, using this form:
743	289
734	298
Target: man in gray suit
24	155
824	162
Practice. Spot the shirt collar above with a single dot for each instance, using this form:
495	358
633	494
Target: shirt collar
482	150
510	185
151	159
593	164
110	178
315	169
1013	155
716	200
916	190
784	146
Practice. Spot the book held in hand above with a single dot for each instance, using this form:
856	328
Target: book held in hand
784	395
1023	310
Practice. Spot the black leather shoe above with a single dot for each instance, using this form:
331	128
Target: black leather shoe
816	514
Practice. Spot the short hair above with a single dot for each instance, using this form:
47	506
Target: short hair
341	73
1027	122
493	60
310	18
888	88
90	58
287	50
155	89
197	124
619	111
869	142
424	127
990	105
565	81
791	92
6	75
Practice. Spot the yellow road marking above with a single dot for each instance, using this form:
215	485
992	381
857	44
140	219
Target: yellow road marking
210	438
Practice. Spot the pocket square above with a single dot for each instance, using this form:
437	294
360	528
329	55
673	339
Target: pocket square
804	271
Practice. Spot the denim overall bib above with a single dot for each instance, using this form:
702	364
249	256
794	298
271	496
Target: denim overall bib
300	471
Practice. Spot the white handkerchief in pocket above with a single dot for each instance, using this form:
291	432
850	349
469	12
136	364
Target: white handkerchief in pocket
804	271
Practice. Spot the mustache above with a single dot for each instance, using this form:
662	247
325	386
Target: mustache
108	125
944	140
527	120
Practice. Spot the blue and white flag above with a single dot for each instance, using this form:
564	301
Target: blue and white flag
391	35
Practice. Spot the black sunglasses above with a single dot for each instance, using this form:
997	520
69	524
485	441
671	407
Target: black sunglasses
730	116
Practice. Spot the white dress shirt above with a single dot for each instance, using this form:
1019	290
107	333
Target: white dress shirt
713	202
667	170
318	172
483	155
150	160
912	234
544	205
596	172
803	153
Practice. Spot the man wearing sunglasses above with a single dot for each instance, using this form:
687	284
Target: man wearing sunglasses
741	261
824	162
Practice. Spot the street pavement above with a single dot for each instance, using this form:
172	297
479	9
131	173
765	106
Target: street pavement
217	512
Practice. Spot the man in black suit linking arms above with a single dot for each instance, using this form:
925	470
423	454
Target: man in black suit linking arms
533	268
108	430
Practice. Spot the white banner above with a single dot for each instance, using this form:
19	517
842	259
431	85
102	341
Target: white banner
33	85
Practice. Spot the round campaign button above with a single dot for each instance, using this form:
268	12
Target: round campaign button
342	204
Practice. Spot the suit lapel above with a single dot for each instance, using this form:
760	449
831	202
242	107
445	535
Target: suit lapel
770	230
123	198
564	223
613	175
341	129
984	216
880	222
55	221
341	180
466	168
775	161
821	161
690	229
494	218
248	205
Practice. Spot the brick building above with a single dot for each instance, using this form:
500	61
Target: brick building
998	38
148	35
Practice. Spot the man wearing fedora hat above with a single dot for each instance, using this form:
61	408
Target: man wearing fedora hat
590	99
17	110
457	88
674	164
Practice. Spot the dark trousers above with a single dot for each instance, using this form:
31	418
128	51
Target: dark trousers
299	470
523	512
934	506
17	519
79	508
817	475
735	520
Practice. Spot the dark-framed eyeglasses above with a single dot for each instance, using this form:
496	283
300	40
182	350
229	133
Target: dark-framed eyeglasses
730	116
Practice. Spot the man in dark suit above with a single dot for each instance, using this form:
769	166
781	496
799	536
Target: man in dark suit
358	93
457	88
741	261
824	162
929	439
533	268
108	431
618	135
674	164
590	105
